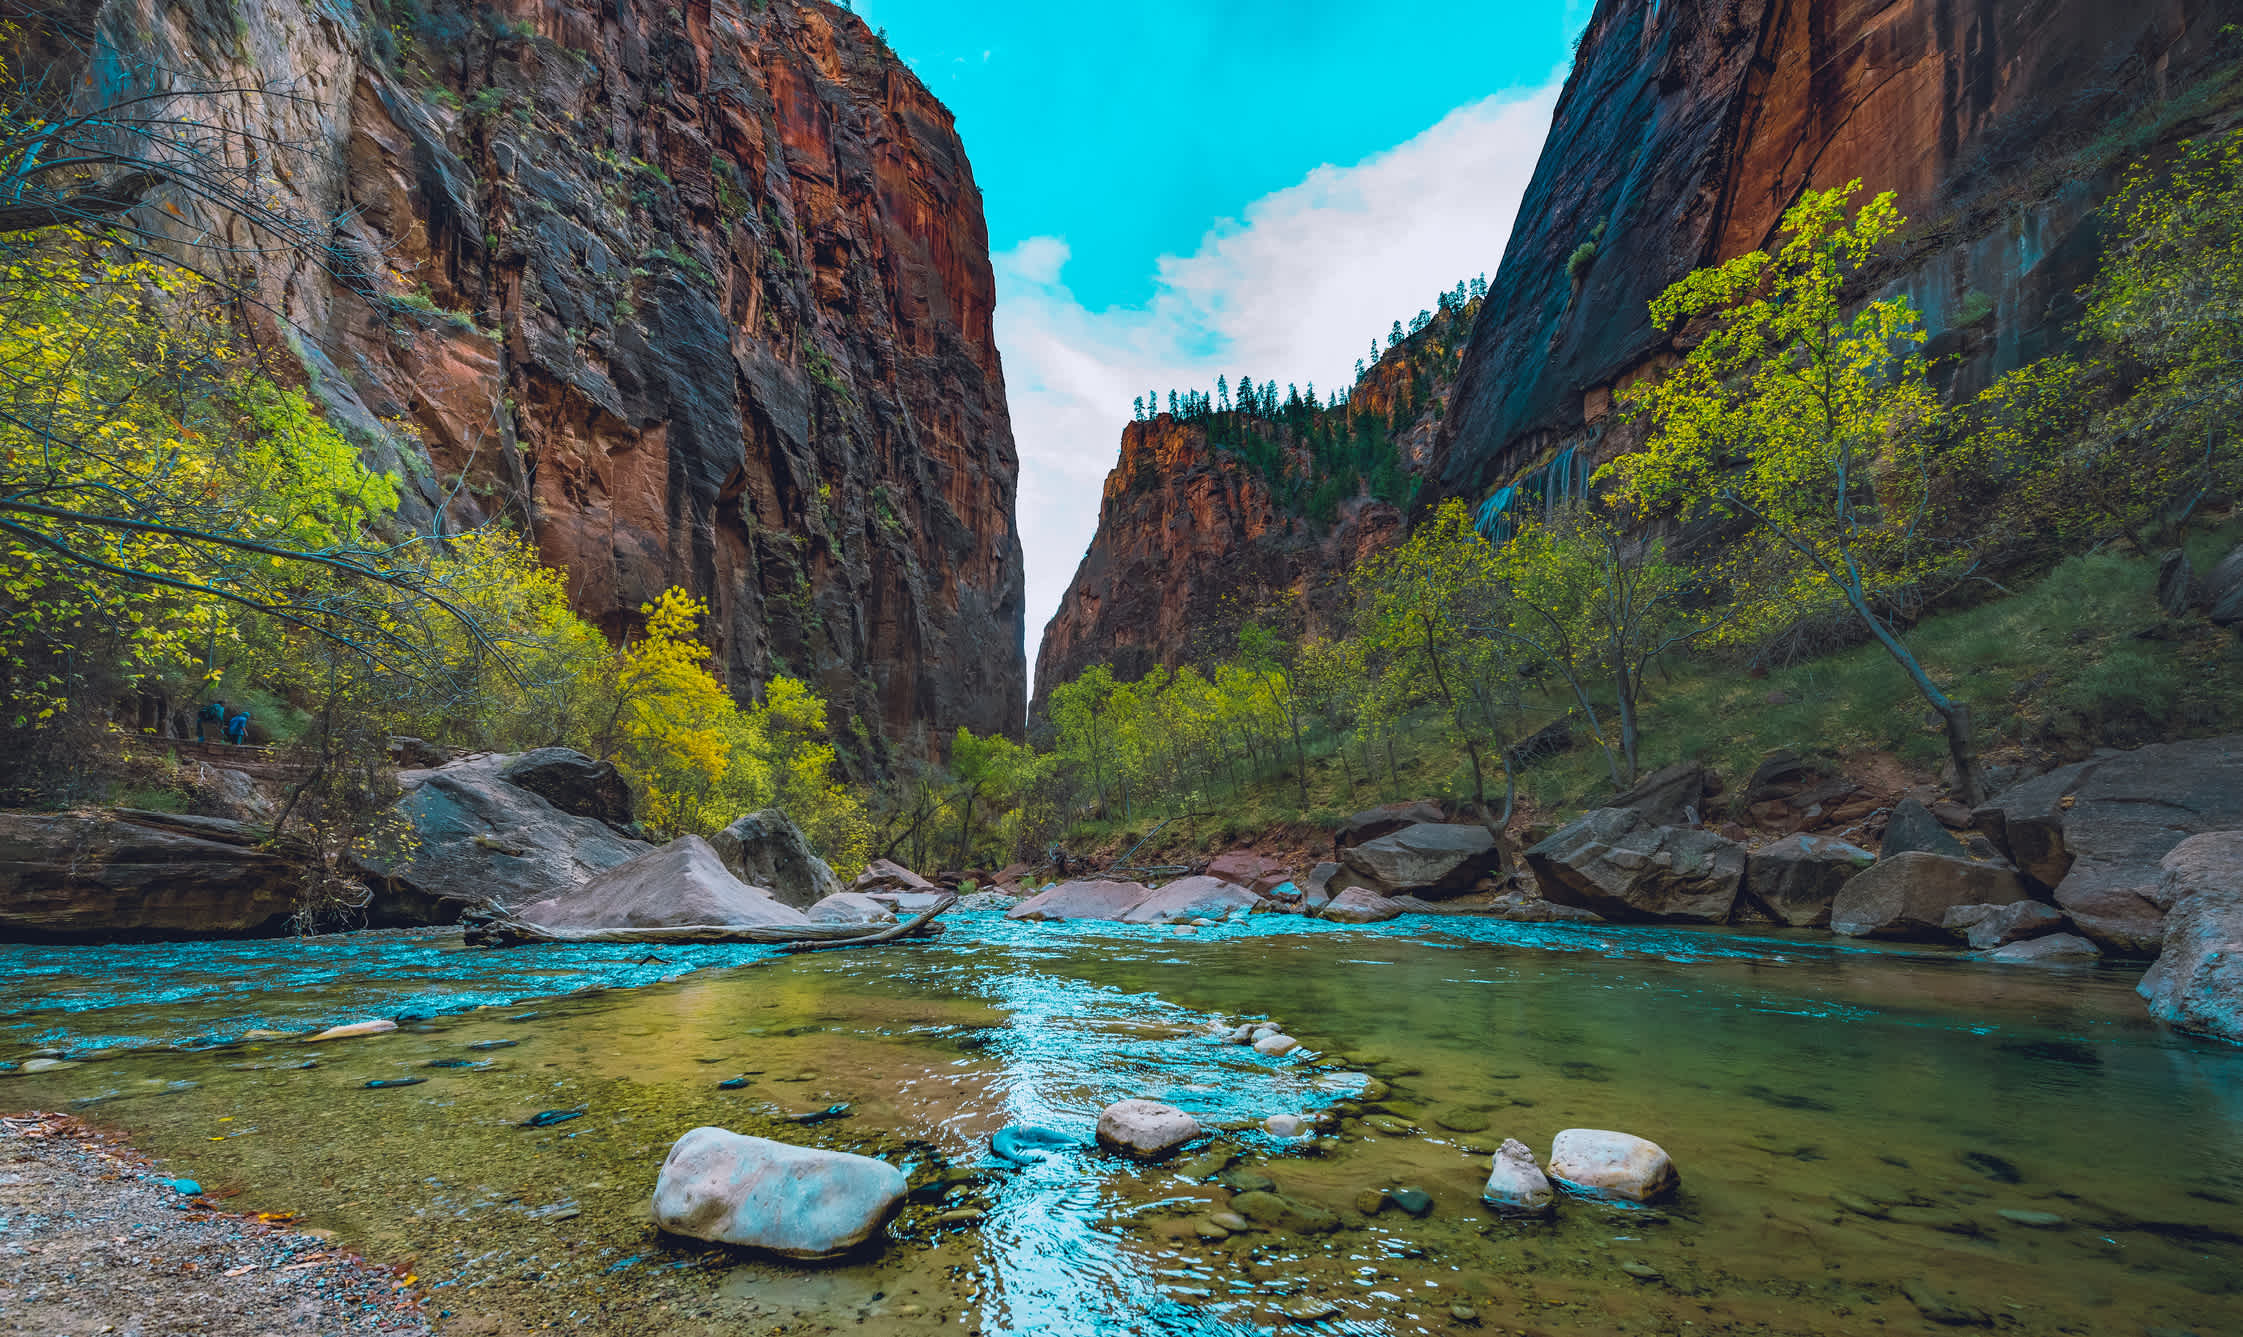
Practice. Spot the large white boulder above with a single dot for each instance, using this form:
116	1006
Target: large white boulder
798	1202
1516	1185
1097	898
2197	984
1620	1164
678	885
1145	1129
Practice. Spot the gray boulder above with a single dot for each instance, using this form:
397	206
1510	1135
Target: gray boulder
1797	878
1430	858
1670	796
1358	906
573	782
463	836
883	875
1191	898
1387	818
1909	895
2174	582
798	1202
1617	863
850	907
2223	590
1145	1129
1516	1185
2096	830
1986	927
130	876
766	849
680	884
1620	1164
1913	827
2196	984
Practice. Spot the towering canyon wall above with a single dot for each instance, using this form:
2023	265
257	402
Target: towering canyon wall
698	295
1689	126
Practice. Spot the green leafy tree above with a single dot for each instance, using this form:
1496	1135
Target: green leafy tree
1809	419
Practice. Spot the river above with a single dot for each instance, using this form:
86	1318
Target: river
1852	1122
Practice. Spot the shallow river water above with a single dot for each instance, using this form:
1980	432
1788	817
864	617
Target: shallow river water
1851	1124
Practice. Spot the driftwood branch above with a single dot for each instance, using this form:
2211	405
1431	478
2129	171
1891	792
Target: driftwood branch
507	931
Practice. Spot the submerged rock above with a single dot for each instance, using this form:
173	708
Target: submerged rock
1272	1211
351	1031
1146	1129
1026	1144
1620	1164
2055	949
1516	1185
766	849
680	884
1986	927
1909	895
798	1202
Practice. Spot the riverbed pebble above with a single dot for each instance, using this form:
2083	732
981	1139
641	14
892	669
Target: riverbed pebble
1284	1125
2018	1216
1146	1129
1276	1044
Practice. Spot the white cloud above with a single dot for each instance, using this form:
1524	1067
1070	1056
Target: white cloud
1296	289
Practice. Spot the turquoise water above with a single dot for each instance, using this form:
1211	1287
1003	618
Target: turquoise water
1850	1123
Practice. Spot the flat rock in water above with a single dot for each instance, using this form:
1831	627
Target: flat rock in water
379	1026
2057	949
1620	1164
798	1202
1146	1129
682	883
1026	1144
1100	899
1991	926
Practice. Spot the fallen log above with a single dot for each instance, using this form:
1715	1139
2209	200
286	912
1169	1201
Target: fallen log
486	929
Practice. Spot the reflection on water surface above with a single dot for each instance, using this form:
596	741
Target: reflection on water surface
1852	1125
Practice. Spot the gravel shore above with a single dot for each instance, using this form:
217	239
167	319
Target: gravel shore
94	1241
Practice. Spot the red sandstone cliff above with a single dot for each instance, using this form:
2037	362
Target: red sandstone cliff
1689	126
701	295
1192	542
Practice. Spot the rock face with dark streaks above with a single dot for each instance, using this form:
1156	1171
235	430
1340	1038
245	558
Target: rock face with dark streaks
700	294
1687	127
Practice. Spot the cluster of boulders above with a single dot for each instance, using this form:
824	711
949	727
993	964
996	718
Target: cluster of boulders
2125	854
1390	860
1594	1163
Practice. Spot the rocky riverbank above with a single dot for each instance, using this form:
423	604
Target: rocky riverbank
92	1239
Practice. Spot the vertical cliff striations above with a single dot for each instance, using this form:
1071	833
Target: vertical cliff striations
1689	126
701	295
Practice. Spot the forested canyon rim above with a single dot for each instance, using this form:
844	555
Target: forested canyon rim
701	296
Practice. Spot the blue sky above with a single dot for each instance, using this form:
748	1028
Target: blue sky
1180	190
